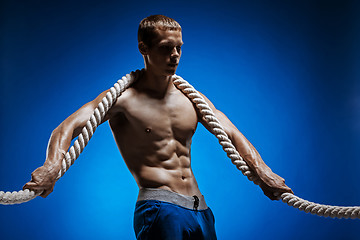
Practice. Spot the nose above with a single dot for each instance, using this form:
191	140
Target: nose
175	52
175	55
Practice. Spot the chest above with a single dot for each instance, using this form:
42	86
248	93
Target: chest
172	116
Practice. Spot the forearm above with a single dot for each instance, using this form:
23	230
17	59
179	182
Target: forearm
43	178
61	137
248	152
58	145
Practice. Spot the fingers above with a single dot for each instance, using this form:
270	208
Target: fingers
274	193
271	195
43	191
41	182
285	188
30	186
289	190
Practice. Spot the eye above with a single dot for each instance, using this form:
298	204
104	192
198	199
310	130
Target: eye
165	48
178	48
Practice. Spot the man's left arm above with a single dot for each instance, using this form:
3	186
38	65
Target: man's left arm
270	182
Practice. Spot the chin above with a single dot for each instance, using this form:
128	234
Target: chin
170	72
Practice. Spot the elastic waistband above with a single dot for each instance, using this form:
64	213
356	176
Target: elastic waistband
194	202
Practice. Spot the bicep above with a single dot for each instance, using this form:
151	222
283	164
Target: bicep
228	126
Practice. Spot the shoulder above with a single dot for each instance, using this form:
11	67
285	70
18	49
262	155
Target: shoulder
124	101
125	95
211	105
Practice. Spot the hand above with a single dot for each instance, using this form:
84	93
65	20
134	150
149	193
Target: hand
272	184
42	181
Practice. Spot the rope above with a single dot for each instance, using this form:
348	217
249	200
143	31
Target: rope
80	143
238	161
119	87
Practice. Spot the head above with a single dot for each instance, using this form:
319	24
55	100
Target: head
160	41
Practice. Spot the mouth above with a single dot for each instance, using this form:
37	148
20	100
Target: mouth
173	65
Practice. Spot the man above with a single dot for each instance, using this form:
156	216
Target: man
153	123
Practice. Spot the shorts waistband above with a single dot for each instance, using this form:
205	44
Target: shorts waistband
190	202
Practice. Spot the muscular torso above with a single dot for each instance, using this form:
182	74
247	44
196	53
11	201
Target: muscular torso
154	137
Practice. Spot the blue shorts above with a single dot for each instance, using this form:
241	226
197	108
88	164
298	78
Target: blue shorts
161	220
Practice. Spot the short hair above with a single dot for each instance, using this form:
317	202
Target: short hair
147	27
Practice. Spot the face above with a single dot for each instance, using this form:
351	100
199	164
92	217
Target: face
163	56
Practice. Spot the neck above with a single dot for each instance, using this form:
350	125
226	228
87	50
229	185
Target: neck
154	84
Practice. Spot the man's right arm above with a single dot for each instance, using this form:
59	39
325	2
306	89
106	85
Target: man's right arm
43	178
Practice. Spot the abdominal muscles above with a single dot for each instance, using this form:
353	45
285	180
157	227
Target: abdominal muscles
154	138
168	167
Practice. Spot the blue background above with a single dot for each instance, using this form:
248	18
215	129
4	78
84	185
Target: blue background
285	72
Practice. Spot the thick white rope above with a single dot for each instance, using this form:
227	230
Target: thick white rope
237	160
80	143
110	98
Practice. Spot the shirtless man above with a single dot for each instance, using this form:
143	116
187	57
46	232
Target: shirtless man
153	123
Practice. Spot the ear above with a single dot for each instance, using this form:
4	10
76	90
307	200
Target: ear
143	48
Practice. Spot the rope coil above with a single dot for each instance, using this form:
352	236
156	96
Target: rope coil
119	87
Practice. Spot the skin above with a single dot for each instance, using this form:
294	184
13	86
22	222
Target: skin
153	124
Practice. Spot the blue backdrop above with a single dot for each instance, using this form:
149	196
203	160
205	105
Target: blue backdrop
285	72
